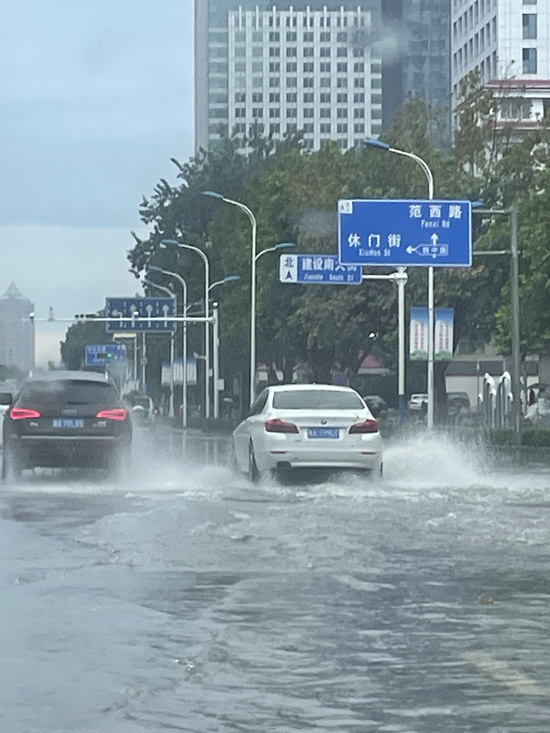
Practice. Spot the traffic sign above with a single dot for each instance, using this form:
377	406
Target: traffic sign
140	308
411	233
103	354
317	270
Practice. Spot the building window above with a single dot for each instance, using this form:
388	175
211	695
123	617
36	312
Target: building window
309	127
308	67
257	67
529	60
240	112
292	127
240	51
257	82
376	67
359	113
341	51
325	127
342	127
274	127
529	2
515	109
291	66
292	112
359	98
240	66
358	51
292	81
308	81
274	112
257	112
308	51
292	51
324	81
257	36
274	36
343	143
309	97
342	37
309	112
274	97
240	97
358	67
291	97
291	36
342	112
257	51
274	51
240	127
342	98
342	67
359	127
376	99
342	82
324	52
273	81
529	25
257	97
324	37
359	82
325	98
325	67
308	37
274	66
324	112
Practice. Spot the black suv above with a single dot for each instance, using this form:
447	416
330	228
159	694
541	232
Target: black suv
64	419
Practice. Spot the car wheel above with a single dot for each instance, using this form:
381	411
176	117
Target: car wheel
253	473
11	464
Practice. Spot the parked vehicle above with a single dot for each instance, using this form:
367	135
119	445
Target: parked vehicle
376	404
416	401
307	426
66	419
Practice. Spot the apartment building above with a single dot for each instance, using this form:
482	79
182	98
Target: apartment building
16	330
508	42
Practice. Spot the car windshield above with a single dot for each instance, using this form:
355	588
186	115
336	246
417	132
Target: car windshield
317	399
69	392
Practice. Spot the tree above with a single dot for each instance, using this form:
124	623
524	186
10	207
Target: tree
78	336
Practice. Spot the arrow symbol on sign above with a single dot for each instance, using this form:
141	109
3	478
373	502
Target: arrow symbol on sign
434	238
149	308
166	310
116	313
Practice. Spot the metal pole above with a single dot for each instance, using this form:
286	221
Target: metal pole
216	361
184	384
516	356
253	316
172	349
143	363
401	400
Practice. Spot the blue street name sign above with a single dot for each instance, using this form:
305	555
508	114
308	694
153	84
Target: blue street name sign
405	233
135	308
317	270
104	354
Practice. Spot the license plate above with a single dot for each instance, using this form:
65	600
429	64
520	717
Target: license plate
65	422
333	433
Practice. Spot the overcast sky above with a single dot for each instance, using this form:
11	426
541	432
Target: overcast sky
96	96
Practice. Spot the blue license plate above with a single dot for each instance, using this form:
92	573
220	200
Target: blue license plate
333	433
65	422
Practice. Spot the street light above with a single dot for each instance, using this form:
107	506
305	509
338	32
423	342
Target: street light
253	260
206	263
183	284
216	341
401	304
228	279
170	294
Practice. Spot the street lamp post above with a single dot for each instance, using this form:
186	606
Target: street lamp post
253	260
216	342
150	283
206	313
183	284
401	304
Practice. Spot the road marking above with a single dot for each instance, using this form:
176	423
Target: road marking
503	673
360	584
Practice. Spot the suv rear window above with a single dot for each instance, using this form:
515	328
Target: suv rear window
69	392
330	399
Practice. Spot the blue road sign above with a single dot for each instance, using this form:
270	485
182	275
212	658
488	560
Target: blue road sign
104	354
317	270
137	308
399	233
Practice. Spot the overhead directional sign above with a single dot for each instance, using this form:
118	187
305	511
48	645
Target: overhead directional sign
412	233
104	354
141	311
317	270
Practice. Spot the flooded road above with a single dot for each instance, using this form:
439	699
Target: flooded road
189	600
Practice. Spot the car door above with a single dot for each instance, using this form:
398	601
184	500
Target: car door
244	432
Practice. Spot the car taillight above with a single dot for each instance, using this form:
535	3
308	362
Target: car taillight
116	414
23	413
368	426
278	426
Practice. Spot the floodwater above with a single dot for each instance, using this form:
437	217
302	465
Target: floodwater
189	600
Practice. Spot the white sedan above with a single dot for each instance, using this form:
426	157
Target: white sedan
307	426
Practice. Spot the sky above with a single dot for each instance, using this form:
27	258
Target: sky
96	96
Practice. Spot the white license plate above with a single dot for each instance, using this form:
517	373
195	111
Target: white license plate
65	422
333	433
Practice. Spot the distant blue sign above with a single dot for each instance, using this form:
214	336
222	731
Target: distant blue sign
104	354
140	308
317	270
408	233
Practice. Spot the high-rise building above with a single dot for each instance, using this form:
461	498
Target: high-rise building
338	70
509	44
16	330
